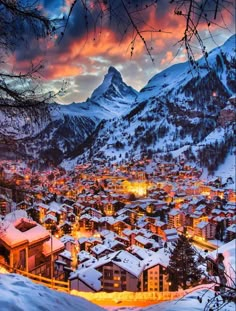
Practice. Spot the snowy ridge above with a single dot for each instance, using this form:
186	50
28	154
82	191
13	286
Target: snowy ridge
170	80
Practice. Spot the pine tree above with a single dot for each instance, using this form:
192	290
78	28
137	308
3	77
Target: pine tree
182	270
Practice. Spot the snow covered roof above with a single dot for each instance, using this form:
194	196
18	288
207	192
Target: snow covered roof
13	216
84	255
52	246
49	217
161	257
171	231
99	249
174	212
66	254
13	235
202	224
142	240
124	260
141	252
232	228
89	276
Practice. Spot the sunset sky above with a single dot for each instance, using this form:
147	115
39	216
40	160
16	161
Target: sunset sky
83	55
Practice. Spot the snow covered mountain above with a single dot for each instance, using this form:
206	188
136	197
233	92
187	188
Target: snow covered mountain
183	84
180	110
52	132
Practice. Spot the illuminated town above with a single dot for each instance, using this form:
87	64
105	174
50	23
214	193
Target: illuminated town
100	228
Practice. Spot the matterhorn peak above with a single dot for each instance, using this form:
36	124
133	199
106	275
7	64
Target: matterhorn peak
113	86
112	70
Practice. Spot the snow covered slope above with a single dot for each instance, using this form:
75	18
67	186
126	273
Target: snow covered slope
20	294
176	80
179	109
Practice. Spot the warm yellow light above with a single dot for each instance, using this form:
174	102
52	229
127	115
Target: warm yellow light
138	188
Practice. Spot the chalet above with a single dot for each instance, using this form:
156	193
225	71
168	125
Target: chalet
130	234
158	227
142	241
119	225
205	230
231	233
100	250
66	227
50	222
154	277
92	212
71	217
77	208
43	209
27	245
63	265
87	243
120	271
176	218
69	242
89	223
170	235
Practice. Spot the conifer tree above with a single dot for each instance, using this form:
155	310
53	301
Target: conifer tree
182	270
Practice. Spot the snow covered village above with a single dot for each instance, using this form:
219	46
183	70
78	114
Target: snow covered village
117	155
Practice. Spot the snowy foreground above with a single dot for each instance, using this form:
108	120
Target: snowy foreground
187	303
17	293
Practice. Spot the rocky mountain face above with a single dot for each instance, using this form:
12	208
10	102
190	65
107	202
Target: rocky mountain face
179	111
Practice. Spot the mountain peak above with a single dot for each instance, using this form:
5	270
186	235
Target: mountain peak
112	70
113	87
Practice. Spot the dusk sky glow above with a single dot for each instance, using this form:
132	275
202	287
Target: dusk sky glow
83	55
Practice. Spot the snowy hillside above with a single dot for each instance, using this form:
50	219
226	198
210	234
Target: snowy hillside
179	109
20	294
175	80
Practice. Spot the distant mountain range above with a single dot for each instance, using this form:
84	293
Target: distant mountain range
180	111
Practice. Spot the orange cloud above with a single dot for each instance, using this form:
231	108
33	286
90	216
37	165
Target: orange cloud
55	71
168	58
105	43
